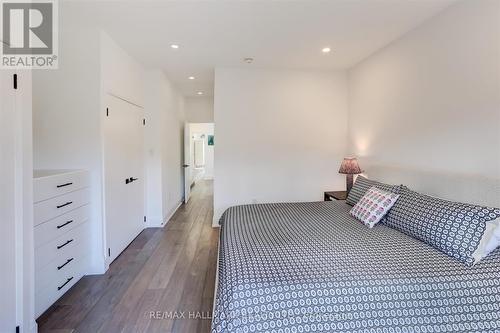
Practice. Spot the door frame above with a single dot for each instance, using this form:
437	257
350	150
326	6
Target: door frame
187	167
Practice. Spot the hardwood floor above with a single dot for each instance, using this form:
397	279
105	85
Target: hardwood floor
163	282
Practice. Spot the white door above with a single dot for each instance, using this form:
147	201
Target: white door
123	132
187	162
7	203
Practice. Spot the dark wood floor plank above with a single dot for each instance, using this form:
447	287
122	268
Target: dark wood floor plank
177	283
175	239
164	269
139	319
191	299
132	296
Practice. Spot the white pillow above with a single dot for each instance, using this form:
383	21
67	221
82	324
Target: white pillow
495	239
489	242
373	206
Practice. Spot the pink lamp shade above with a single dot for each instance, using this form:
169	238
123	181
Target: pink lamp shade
350	166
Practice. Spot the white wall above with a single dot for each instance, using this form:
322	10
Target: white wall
280	135
153	149
164	148
430	100
121	74
199	109
173	147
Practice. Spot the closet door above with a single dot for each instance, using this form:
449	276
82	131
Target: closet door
123	134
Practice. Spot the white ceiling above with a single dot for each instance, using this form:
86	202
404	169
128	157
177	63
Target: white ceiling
277	34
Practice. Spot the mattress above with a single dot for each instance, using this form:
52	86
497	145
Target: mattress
311	267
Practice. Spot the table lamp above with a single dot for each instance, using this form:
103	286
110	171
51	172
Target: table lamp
349	167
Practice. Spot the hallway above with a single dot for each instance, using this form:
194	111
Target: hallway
163	282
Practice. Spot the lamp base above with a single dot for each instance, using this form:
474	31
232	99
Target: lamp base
348	182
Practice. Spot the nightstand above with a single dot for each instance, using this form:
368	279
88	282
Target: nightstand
335	195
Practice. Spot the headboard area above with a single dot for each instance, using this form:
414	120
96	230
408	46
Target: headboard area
463	188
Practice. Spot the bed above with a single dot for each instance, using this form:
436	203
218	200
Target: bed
311	267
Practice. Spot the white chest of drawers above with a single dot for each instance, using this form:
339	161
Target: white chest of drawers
62	233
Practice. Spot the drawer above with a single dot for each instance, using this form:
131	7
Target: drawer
48	209
62	247
52	229
49	184
58	269
45	297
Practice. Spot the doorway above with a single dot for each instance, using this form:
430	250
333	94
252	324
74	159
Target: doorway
199	144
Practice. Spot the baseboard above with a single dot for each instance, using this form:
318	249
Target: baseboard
98	268
215	222
169	216
34	327
154	222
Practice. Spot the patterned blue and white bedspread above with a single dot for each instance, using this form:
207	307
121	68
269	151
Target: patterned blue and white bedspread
311	267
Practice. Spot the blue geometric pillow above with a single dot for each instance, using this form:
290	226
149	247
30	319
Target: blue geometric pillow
363	184
452	227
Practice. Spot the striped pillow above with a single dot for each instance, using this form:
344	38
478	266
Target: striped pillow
363	184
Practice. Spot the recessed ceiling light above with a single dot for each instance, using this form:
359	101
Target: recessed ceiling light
191	77
174	46
200	92
326	50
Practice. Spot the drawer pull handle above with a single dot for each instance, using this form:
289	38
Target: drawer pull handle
67	262
64	205
65	283
64	185
61	246
64	224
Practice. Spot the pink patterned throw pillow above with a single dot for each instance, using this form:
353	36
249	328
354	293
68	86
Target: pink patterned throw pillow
372	207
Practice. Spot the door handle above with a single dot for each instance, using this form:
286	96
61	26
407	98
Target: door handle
185	165
130	180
